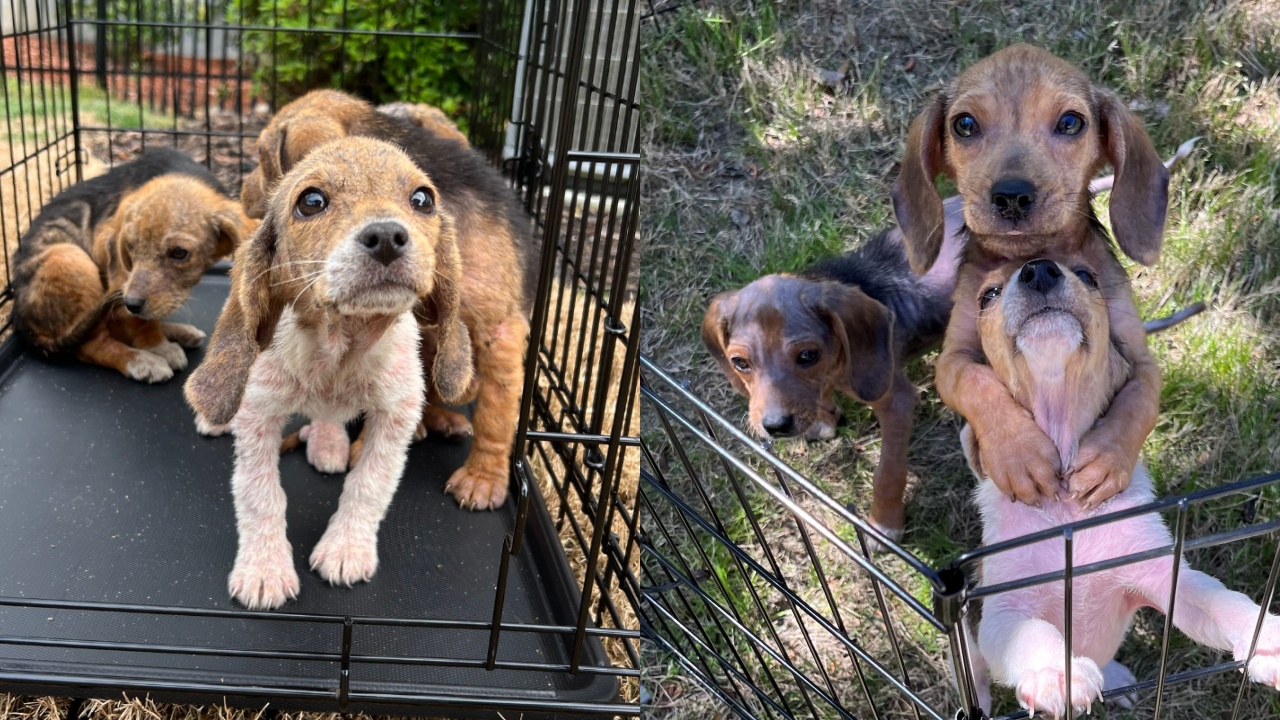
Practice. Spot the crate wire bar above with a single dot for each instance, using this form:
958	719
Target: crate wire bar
712	627
568	66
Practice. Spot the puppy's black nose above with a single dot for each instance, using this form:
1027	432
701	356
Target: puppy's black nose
134	305
385	241
1013	198
1040	276
779	425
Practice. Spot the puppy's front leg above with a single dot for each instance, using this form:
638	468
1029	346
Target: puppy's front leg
348	551
103	349
1212	615
481	483
1028	653
894	413
264	576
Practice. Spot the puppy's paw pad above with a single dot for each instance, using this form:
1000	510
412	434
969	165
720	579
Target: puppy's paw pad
188	336
438	421
476	490
148	368
208	429
172	353
264	584
328	446
1045	690
345	558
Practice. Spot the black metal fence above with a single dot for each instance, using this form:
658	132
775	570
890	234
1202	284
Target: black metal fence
758	624
88	83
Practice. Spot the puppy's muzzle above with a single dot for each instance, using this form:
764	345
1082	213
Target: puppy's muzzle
1040	276
1013	198
384	241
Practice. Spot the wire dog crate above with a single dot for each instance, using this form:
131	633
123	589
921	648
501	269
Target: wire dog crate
719	599
117	516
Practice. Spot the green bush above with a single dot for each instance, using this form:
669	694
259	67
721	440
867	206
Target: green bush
378	68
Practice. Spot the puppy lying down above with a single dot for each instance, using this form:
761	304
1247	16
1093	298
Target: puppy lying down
108	259
320	322
1045	331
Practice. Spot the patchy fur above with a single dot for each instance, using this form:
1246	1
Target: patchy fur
320	321
493	238
1047	337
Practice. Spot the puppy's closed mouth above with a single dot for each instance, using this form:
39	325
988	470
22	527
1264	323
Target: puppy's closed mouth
381	295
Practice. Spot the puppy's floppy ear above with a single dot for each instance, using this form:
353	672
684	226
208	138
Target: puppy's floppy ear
452	370
110	249
916	202
252	197
231	227
715	334
863	338
283	144
244	329
1140	196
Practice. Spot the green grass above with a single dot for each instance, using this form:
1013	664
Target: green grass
39	111
752	167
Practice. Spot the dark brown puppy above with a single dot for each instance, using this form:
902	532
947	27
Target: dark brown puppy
1021	133
847	324
109	258
493	235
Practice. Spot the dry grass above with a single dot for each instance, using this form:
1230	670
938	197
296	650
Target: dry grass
752	166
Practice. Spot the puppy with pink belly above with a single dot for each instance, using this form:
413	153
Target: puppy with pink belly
320	322
1045	333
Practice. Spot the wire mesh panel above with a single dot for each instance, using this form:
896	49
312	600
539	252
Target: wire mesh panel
545	89
762	588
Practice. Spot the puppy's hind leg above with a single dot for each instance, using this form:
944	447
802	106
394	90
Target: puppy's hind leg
348	551
1212	615
481	483
328	445
264	576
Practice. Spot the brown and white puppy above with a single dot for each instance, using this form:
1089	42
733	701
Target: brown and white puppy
846	325
1021	133
109	258
493	236
320	321
1046	333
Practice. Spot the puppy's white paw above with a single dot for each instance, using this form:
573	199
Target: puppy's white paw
821	430
1115	675
172	353
345	556
208	429
188	336
1264	668
328	446
264	577
875	546
1045	690
149	368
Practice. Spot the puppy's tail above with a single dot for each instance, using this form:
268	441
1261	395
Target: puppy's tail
1164	323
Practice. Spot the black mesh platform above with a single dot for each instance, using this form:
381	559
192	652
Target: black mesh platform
108	495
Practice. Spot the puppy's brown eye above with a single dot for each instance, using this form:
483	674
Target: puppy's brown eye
1087	278
179	253
1071	123
807	358
311	202
987	296
740	364
423	201
965	125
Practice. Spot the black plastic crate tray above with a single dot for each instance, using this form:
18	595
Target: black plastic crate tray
108	495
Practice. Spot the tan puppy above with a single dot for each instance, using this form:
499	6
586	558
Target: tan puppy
492	232
320	321
1021	133
108	259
